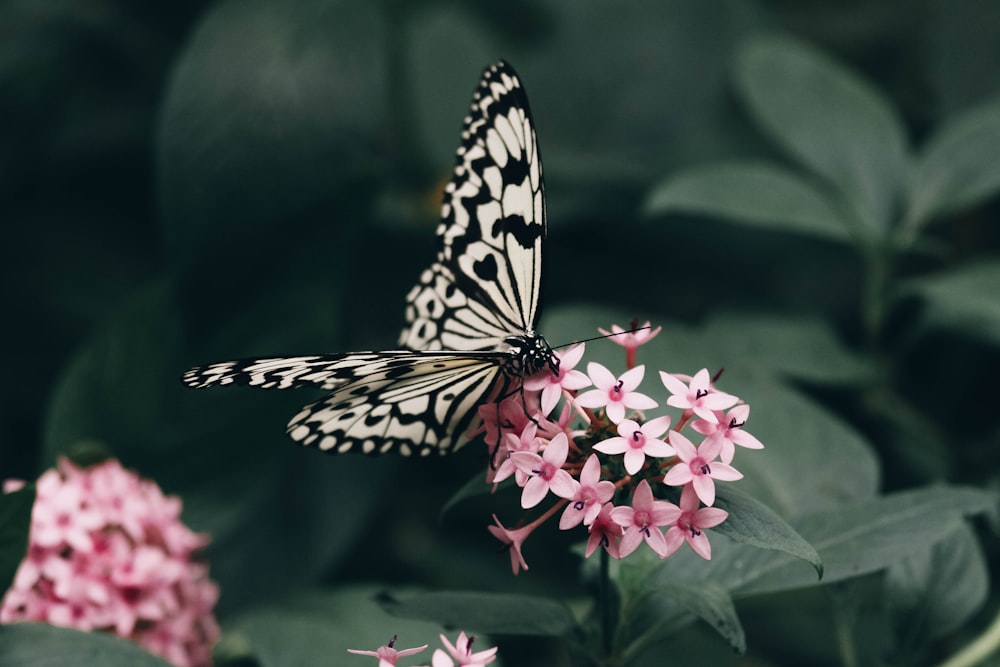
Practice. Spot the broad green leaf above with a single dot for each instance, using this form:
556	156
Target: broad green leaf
753	523
271	110
830	120
495	613
964	300
958	167
874	535
15	524
317	628
706	600
933	591
852	541
754	194
805	348
36	645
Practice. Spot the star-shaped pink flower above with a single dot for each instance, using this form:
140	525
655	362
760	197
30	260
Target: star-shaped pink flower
728	427
637	442
590	495
525	441
462	652
387	655
691	524
642	521
699	396
698	467
513	539
631	340
552	385
605	532
614	394
546	472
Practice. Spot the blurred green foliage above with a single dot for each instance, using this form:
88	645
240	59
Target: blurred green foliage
804	193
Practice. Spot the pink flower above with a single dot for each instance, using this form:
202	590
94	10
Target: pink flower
525	441
641	521
546	473
513	539
631	340
387	655
691	524
699	467
728	427
552	386
615	393
462	652
590	495
107	551
698	396
637	442
605	532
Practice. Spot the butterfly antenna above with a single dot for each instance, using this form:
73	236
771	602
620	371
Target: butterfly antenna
610	335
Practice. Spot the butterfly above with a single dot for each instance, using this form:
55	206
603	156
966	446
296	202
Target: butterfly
470	336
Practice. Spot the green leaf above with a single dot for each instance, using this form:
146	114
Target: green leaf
830	120
316	628
933	591
958	168
803	347
753	194
873	535
754	523
707	600
964	300
495	613
15	524
36	645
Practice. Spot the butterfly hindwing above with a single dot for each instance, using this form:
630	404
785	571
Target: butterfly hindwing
485	283
417	408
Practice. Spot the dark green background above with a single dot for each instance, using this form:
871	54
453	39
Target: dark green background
187	182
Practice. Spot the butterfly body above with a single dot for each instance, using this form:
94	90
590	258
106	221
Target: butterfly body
470	336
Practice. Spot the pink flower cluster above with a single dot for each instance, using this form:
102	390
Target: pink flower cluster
460	653
107	551
601	450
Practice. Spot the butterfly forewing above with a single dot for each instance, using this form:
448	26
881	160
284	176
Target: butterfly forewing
485	283
470	319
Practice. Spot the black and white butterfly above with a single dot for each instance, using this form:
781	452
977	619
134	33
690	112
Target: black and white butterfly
470	336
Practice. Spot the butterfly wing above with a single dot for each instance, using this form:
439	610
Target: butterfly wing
482	289
412	402
485	283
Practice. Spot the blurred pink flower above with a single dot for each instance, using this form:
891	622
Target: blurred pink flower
107	551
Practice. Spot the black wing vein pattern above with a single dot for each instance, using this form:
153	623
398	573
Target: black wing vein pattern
478	296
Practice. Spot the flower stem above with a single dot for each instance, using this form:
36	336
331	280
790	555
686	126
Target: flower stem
604	602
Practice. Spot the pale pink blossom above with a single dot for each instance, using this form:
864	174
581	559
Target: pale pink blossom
728	427
698	396
614	394
590	495
641	521
524	441
552	385
690	526
639	335
605	532
513	539
545	472
387	655
698	466
461	651
107	551
637	442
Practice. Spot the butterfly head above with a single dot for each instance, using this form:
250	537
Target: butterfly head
529	354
